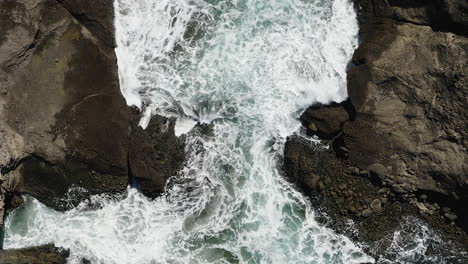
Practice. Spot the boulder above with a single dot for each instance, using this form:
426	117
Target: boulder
407	89
325	121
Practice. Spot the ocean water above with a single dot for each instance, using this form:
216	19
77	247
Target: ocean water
247	69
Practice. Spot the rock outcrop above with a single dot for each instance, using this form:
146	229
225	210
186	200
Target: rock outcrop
36	255
400	145
155	154
63	120
97	16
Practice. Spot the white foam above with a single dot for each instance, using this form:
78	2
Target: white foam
183	126
257	65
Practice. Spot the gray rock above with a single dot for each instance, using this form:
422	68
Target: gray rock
366	213
376	205
446	210
451	216
408	93
325	121
384	200
378	170
354	170
364	173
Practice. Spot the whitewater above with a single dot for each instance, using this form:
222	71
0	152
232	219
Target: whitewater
244	70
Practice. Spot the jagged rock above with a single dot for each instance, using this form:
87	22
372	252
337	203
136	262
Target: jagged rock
325	121
63	119
97	16
378	170
36	255
155	154
451	216
407	88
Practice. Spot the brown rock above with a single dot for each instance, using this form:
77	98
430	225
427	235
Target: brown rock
325	121
64	121
35	255
97	16
155	154
366	213
376	205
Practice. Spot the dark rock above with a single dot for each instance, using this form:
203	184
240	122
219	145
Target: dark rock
410	110
451	216
378	170
354	170
406	120
366	213
363	173
97	16
325	121
62	116
11	202
35	255
376	205
155	154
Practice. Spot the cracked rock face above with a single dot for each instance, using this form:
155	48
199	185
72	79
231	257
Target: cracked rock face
406	135
155	153
63	120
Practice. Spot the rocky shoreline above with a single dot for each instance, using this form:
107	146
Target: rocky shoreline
63	120
398	146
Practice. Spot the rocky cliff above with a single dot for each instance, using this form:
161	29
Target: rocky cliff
63	120
398	146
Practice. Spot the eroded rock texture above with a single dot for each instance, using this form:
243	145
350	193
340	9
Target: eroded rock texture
63	119
399	146
37	255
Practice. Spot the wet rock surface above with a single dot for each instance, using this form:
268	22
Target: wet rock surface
155	153
63	120
36	255
402	150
